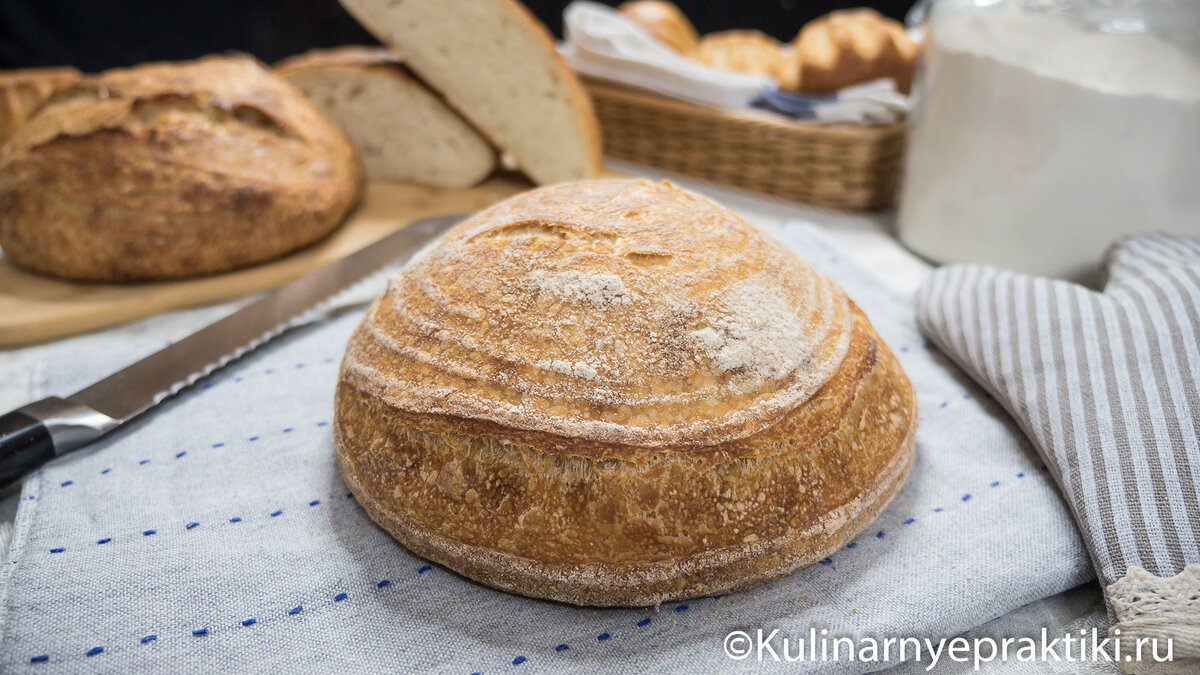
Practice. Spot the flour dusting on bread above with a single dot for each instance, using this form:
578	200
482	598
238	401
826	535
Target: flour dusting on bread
621	311
755	333
597	289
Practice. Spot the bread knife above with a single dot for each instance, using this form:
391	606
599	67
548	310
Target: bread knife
36	433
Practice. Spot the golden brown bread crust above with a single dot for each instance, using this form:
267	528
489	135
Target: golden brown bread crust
599	505
846	47
743	51
665	21
172	170
23	91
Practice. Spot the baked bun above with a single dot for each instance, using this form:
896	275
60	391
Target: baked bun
619	393
23	91
665	21
172	170
402	130
744	51
849	46
499	67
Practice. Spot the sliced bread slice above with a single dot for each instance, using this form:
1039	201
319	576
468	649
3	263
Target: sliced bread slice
498	66
402	130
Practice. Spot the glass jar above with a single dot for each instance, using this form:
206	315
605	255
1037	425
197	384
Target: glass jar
1042	130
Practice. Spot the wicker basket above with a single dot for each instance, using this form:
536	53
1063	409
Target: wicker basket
831	165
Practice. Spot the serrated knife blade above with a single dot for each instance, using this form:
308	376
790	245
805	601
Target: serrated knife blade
40	431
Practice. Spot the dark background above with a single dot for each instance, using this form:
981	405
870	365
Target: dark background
98	34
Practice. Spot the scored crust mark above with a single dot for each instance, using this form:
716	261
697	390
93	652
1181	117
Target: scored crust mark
713	332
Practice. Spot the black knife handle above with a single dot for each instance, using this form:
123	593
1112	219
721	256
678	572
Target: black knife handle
25	444
34	434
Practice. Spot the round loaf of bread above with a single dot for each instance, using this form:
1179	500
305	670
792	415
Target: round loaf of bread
618	392
172	170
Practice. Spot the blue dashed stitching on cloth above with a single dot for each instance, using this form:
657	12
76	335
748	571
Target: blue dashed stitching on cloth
65	483
938	509
144	461
252	438
425	568
826	561
104	471
180	454
519	660
288	430
218	444
994	483
383	583
193	524
322	424
94	651
40	658
57	550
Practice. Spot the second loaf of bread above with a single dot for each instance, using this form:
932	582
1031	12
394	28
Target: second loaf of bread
172	170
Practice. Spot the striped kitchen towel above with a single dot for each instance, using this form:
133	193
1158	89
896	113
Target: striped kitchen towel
1105	385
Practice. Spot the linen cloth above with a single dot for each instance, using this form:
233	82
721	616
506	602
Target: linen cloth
218	525
1106	385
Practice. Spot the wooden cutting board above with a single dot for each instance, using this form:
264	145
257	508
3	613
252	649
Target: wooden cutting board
35	308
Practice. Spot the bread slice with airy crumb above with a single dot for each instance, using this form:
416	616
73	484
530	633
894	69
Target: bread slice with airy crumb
403	131
497	66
